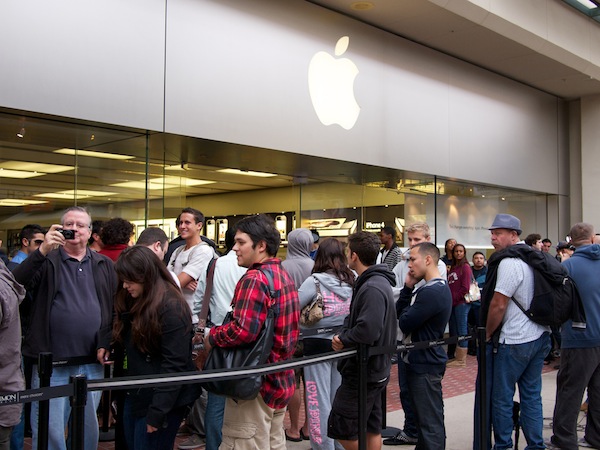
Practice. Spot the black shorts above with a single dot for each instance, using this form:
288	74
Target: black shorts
343	419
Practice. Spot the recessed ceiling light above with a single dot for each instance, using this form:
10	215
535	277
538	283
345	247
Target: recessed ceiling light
8	173
588	4
35	167
362	6
249	173
81	193
19	202
91	154
163	183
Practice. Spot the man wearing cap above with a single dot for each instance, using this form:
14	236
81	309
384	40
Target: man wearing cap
519	344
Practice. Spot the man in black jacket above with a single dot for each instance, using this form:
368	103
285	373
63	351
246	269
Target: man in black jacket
371	321
72	290
423	315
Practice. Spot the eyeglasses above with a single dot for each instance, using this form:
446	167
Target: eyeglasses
78	225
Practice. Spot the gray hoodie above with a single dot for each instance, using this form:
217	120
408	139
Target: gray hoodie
11	376
336	301
298	262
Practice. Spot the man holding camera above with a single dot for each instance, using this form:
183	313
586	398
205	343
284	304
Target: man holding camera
72	289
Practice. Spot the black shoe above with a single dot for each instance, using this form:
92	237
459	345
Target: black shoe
401	438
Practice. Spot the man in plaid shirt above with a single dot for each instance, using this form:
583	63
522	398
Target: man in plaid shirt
258	423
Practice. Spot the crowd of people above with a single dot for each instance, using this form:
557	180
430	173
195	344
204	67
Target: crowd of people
86	292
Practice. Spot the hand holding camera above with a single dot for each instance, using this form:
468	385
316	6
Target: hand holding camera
55	237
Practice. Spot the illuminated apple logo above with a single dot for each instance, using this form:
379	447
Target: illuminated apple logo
331	86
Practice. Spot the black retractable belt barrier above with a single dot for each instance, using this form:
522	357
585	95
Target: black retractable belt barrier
78	387
78	402
45	373
483	419
363	360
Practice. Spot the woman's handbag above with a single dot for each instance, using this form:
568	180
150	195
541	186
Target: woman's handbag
474	293
250	355
313	312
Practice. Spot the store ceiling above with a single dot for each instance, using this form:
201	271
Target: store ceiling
176	164
433	26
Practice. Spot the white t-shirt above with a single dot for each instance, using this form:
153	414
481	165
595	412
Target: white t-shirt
515	279
193	261
227	274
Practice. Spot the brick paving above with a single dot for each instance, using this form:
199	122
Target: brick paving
457	381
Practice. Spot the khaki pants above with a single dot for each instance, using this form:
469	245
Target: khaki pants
251	424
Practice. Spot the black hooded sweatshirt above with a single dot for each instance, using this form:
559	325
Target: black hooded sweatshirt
372	321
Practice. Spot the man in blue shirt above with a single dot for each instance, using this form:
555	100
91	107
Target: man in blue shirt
30	238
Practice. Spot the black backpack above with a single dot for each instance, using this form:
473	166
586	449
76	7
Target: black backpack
555	298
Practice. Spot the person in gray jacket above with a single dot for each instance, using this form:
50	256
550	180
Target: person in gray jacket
298	264
333	279
11	375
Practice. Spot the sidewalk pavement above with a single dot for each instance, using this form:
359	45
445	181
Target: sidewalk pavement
459	418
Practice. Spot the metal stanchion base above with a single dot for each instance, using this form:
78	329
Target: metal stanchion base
107	436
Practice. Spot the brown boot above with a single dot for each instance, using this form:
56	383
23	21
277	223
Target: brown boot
461	358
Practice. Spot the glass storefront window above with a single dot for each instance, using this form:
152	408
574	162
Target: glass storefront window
148	177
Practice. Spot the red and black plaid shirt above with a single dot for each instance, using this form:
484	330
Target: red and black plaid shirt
250	304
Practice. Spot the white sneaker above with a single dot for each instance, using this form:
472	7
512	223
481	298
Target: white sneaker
583	443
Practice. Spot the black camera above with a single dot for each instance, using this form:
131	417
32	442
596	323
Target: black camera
68	234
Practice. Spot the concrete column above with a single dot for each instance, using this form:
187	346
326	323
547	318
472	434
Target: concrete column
590	159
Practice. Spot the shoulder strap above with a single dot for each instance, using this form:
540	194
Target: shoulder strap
520	307
203	314
270	281
317	285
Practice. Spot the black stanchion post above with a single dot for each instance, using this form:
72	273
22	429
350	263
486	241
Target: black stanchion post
45	373
483	408
106	432
78	402
363	360
106	403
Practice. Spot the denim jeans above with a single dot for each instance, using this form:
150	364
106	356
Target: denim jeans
519	364
136	433
60	408
410	419
426	392
213	420
17	437
458	322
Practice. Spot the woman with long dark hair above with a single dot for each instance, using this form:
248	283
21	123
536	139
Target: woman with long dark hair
332	277
459	281
154	328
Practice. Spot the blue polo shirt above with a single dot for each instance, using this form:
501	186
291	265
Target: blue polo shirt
75	316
